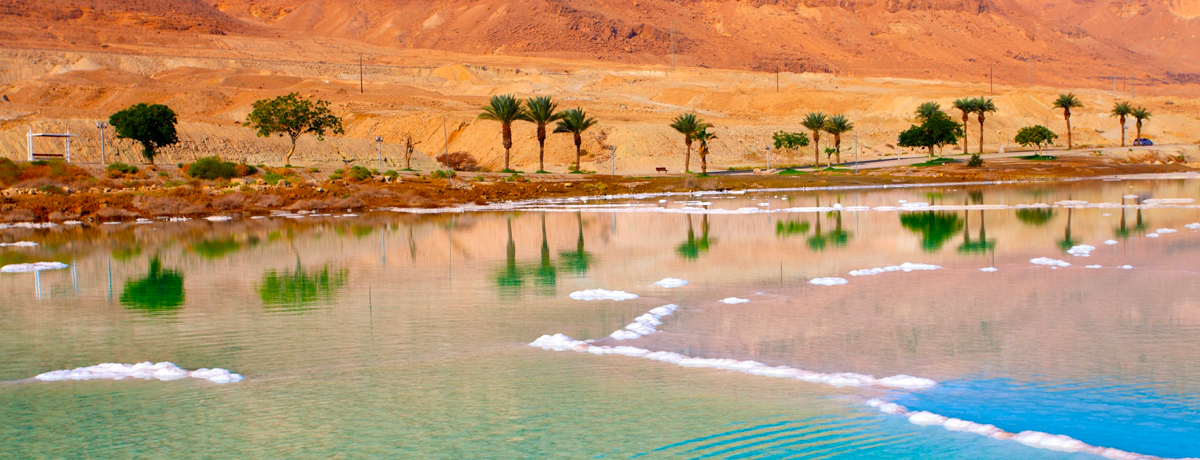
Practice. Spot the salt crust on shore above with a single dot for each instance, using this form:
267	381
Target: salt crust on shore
1035	439
1082	250
19	244
670	283
146	370
37	266
644	325
905	267
602	294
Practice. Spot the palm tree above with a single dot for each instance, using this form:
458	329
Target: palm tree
967	107
983	106
1121	110
815	121
505	109
688	125
838	125
542	111
927	110
575	121
1066	102
1140	114
704	135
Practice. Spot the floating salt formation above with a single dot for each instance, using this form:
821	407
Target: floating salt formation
644	325
988	269
828	281
147	370
1193	226
1111	242
1093	266
733	300
1082	250
37	266
1049	261
602	294
905	267
1164	231
19	244
671	283
1151	235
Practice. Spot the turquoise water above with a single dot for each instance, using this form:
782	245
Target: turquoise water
397	335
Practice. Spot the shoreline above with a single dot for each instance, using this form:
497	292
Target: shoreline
422	194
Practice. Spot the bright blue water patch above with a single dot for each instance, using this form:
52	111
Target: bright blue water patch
1135	417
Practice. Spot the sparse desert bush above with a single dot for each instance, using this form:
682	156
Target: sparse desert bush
443	174
459	161
111	212
268	201
160	205
374	193
229	201
212	168
17	215
358	174
976	161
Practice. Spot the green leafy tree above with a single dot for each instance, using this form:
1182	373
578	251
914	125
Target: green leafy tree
983	106
505	109
688	125
1037	135
789	142
704	135
838	125
1121	110
934	132
1140	114
967	107
815	122
542	111
152	125
1066	102
575	121
294	116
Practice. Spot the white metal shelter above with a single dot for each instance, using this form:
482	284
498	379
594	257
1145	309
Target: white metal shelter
66	145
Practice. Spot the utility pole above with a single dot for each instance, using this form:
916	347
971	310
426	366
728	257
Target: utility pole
672	46
103	157
446	137
768	158
360	73
855	151
379	143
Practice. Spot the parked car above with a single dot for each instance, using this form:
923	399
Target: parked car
1142	141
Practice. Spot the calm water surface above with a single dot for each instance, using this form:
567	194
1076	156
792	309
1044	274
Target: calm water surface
393	335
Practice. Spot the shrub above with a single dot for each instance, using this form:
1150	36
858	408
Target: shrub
442	174
212	168
52	189
359	173
335	176
976	161
245	170
392	174
119	168
9	171
272	178
339	171
459	161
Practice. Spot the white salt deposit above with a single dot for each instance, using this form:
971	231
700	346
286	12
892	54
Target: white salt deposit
1049	261
625	335
906	267
146	370
1111	242
644	325
1130	197
72	222
1151	235
828	281
1127	267
670	283
28	225
19	244
1168	201
1035	439
1093	266
1164	231
734	300
988	269
38	266
663	310
1193	226
602	294
1082	250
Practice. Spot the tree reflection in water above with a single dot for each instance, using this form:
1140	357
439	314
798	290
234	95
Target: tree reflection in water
160	291
577	261
935	227
299	290
694	247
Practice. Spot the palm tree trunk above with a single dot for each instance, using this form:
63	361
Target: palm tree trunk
981	118
1139	131
578	143
507	131
541	147
703	161
687	159
816	150
1122	118
837	144
966	141
1070	142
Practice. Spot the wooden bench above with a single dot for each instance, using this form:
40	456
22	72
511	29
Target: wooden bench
661	169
